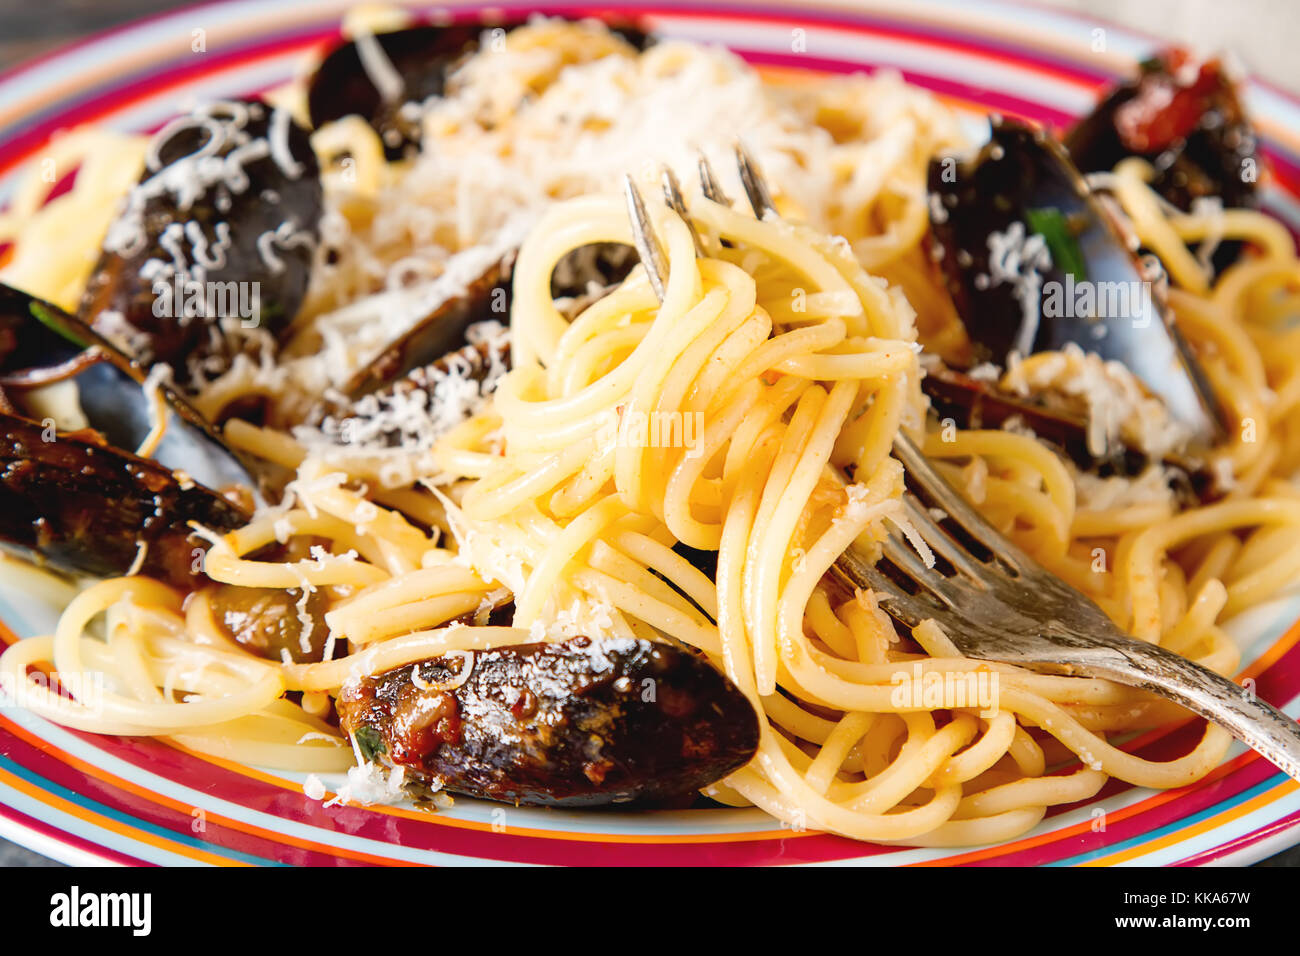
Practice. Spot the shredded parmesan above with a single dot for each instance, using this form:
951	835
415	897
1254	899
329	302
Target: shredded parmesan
530	122
1019	258
370	784
1110	397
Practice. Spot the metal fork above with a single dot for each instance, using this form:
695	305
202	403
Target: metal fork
998	605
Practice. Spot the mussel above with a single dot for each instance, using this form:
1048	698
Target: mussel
428	401
218	237
440	331
1035	262
974	403
102	467
376	75
577	723
581	276
1185	118
384	77
585	722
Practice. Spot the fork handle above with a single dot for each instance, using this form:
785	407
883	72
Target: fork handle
1255	723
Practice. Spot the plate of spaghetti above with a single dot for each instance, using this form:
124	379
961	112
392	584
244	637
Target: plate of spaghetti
367	498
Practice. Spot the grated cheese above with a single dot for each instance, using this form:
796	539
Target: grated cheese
1019	258
1114	402
1094	493
370	784
530	123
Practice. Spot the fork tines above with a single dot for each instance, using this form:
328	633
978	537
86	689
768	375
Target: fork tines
644	238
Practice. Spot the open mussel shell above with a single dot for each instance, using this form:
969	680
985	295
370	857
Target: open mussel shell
88	479
1034	262
217	238
440	331
78	505
1186	119
445	392
974	403
581	276
576	723
412	64
420	57
415	411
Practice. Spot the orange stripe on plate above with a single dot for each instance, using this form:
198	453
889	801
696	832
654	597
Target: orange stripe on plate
99	773
1273	654
1288	786
114	826
1149	803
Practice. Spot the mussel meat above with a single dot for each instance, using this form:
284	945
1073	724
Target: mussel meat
576	723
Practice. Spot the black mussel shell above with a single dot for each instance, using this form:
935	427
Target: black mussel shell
415	410
440	332
577	723
974	403
86	507
600	265
1033	262
485	298
219	236
421	57
74	490
1188	121
41	344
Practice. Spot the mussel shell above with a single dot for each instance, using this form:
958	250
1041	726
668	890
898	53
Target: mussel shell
87	507
440	332
577	723
249	232
423	57
973	403
82	499
604	264
1210	157
1021	171
111	391
1207	149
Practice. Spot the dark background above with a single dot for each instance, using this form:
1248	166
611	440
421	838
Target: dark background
29	28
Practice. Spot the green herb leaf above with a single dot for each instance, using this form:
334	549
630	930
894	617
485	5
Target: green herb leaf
369	741
56	325
1051	224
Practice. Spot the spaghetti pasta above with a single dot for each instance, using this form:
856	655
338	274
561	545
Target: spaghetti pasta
725	420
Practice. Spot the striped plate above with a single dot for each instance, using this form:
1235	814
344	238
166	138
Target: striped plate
87	799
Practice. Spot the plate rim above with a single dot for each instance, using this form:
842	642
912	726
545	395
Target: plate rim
1251	850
